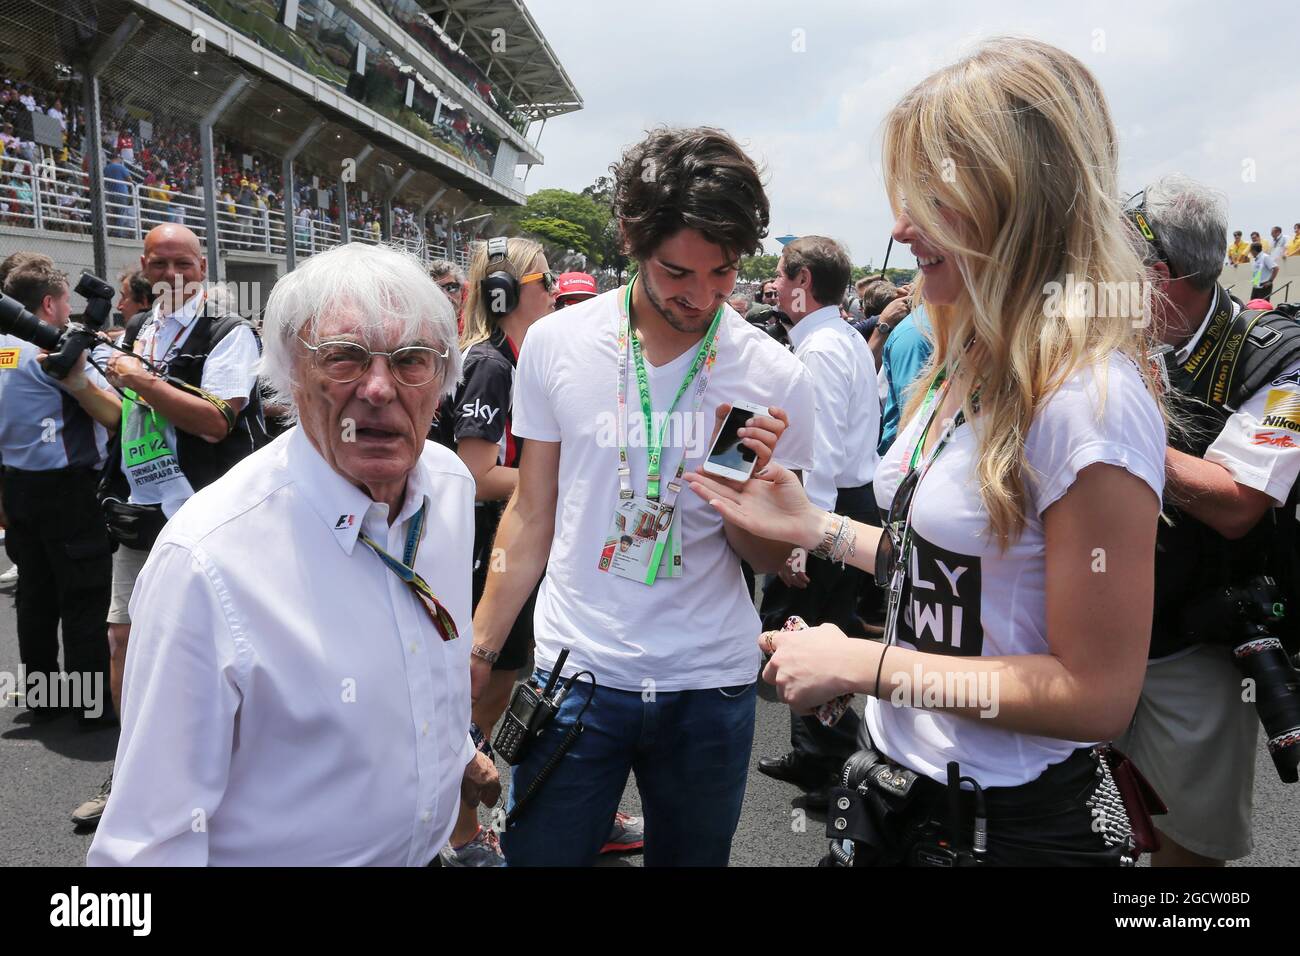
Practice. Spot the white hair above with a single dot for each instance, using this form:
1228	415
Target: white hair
380	286
1191	221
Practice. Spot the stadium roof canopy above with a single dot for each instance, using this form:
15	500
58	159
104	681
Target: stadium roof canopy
161	71
536	82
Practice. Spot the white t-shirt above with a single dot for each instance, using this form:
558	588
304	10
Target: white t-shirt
688	633
1264	266
1260	443
966	598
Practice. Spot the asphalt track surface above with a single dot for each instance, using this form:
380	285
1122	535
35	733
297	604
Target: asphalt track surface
45	771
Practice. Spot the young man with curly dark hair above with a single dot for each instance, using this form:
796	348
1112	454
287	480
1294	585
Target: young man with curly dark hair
665	624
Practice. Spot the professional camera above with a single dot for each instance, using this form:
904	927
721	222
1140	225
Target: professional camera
1261	657
64	345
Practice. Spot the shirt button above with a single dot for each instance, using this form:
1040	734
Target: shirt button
425	816
414	647
425	729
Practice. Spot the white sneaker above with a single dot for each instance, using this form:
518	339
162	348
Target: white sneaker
9	578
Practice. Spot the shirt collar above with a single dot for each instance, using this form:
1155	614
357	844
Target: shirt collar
1185	352
805	327
185	315
341	505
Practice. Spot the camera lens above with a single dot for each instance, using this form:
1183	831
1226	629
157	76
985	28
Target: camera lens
15	320
1277	700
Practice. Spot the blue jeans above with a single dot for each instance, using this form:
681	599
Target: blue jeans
690	750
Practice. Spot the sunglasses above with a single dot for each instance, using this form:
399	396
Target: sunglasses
344	362
890	549
548	279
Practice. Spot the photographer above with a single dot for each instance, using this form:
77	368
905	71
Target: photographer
177	436
52	445
1231	463
1034	450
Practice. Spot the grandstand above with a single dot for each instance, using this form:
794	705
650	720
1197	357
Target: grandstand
275	129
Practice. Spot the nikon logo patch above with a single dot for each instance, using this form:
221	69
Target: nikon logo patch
1281	410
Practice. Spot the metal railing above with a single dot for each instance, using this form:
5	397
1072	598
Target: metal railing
55	197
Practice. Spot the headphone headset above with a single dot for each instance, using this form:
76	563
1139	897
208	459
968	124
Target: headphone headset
1136	211
500	290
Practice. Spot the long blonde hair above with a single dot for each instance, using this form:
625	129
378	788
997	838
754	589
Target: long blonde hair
481	323
1017	141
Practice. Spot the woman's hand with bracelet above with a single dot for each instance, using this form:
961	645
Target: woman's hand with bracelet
773	506
809	667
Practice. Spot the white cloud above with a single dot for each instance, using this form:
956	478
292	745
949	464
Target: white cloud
1194	87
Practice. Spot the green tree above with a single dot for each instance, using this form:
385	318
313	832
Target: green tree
758	268
610	255
558	236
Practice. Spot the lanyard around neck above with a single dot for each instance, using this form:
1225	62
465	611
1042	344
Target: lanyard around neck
405	569
699	372
933	405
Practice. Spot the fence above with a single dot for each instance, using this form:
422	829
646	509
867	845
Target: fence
56	197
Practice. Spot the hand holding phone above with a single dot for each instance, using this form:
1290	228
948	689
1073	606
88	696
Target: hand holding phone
735	456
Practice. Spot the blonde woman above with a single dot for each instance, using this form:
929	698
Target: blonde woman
1022	491
510	288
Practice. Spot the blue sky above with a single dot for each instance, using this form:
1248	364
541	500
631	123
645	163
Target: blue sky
1208	89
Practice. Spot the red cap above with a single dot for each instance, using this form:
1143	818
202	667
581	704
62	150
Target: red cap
1259	304
575	285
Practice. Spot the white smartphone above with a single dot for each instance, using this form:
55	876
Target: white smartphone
729	458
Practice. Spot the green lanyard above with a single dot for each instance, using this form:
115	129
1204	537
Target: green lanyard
934	410
704	359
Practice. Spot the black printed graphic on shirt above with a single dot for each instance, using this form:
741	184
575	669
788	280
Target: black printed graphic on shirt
941	610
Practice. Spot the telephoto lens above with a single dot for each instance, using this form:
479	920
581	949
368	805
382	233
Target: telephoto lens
15	320
1277	699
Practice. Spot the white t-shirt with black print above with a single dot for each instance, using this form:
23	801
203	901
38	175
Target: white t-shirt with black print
967	598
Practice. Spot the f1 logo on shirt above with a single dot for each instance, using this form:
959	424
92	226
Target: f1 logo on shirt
345	521
480	410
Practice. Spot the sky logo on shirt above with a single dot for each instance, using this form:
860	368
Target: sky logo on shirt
345	522
481	410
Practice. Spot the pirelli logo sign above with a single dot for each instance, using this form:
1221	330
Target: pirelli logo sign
1281	410
8	358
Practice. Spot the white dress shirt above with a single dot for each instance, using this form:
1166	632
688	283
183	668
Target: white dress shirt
844	379
287	699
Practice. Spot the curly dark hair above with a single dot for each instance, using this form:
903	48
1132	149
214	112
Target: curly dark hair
696	178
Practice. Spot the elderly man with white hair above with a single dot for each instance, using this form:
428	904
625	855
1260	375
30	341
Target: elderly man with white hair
298	685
